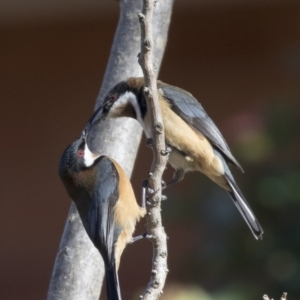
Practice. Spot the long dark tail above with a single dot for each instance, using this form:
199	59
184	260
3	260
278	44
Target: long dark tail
112	284
244	208
240	201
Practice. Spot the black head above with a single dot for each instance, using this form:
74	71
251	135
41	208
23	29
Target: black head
72	158
113	96
77	157
126	99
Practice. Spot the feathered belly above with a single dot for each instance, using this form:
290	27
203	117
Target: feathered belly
191	150
179	160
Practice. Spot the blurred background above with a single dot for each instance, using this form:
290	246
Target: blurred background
240	59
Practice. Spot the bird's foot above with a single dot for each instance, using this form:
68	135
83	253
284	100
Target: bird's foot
139	237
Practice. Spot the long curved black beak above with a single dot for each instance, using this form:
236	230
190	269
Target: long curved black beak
96	117
90	133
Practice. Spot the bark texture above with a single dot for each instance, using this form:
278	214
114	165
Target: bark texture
78	271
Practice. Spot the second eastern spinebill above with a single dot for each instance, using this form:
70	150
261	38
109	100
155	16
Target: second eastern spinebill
195	141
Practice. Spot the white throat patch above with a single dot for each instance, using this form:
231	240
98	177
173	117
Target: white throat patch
89	157
130	97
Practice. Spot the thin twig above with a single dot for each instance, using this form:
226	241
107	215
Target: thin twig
283	297
154	221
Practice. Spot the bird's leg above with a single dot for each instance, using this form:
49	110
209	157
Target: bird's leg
177	176
144	192
139	237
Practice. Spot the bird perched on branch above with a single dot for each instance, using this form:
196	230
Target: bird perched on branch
105	201
195	142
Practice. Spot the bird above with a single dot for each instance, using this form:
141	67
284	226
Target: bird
194	141
105	201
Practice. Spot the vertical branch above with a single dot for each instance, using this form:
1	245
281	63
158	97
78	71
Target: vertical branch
78	270
154	221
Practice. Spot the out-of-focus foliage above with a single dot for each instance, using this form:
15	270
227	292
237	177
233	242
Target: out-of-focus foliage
223	257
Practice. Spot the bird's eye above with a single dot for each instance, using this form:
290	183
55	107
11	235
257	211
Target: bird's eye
80	153
113	97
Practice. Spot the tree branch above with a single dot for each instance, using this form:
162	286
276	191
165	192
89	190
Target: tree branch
78	270
154	221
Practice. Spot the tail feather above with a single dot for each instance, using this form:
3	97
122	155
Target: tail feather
112	284
239	200
244	208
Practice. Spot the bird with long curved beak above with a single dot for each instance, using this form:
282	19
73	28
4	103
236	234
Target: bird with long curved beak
105	201
195	141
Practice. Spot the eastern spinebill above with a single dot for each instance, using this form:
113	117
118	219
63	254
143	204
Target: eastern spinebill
105	201
195	141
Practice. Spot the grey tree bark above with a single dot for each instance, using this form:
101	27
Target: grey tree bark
78	271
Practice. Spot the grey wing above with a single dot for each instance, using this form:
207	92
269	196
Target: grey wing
100	224
190	110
